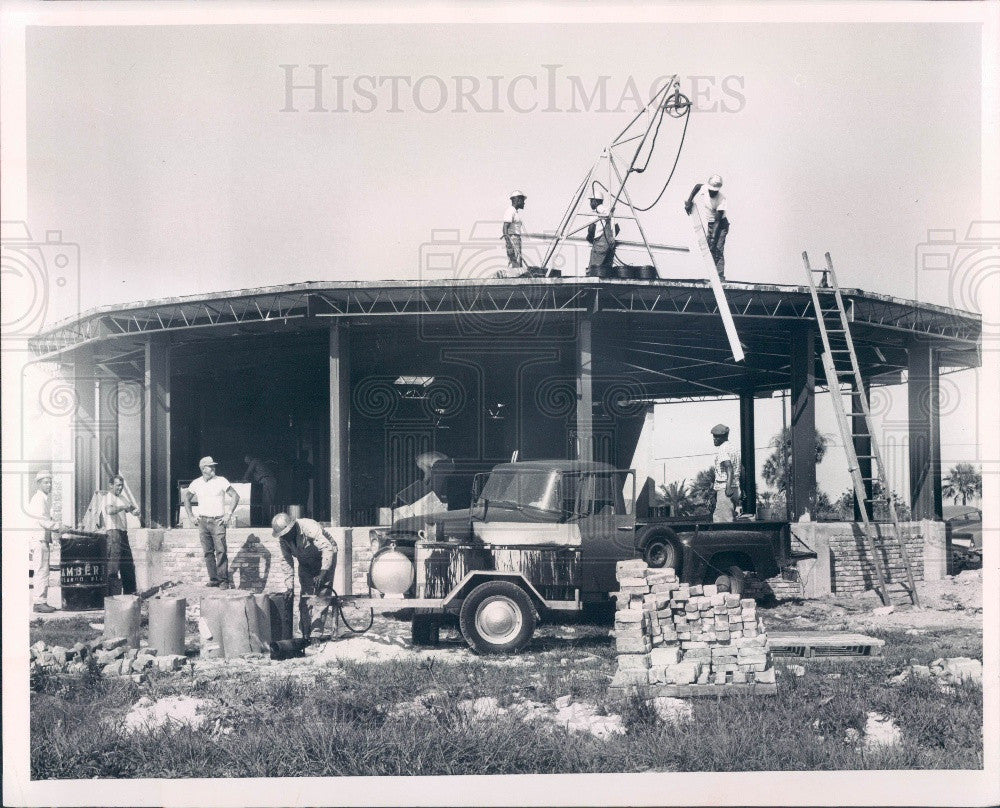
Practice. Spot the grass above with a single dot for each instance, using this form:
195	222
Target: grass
342	721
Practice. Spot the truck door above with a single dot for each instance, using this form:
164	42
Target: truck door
606	511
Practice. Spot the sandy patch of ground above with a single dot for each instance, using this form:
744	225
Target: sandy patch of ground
173	711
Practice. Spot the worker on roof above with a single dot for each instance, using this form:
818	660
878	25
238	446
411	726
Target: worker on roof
315	550
726	484
513	229
602	237
428	495
711	204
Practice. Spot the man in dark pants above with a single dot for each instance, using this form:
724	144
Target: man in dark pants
213	517
306	541
711	204
121	566
602	237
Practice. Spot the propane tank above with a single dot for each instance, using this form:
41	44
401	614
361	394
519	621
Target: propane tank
391	572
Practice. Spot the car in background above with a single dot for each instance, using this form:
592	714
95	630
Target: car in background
964	526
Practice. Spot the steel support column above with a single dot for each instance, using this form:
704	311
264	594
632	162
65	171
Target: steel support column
584	390
85	432
156	493
340	423
925	431
803	420
107	429
748	466
862	447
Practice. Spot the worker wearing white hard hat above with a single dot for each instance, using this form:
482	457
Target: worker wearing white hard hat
40	509
513	229
711	206
305	541
602	235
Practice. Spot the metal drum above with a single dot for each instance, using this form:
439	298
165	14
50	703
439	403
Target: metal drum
83	571
648	273
554	571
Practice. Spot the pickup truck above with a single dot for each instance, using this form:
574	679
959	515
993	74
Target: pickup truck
552	530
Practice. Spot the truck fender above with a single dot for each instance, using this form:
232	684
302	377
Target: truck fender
657	532
476	577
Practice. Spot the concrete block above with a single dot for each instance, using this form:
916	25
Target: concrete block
765	676
662	657
628	616
633	662
632	583
630	678
631	567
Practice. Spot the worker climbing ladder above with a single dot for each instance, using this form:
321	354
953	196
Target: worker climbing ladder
840	363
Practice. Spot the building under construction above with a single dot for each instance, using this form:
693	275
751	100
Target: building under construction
342	385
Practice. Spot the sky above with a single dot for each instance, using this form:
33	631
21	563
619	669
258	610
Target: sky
178	162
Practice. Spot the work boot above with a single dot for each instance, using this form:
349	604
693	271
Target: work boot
44	608
224	585
214	583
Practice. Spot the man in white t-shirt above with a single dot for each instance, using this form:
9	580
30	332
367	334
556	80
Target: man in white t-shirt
711	203
40	509
513	229
213	516
121	565
726	483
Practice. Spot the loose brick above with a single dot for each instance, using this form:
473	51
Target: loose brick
630	678
633	662
632	645
662	657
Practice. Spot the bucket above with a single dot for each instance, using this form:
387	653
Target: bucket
83	571
167	617
121	618
648	273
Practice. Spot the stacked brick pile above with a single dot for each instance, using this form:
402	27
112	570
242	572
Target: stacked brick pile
680	637
111	656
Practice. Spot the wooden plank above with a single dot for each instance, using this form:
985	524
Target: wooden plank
695	691
712	275
822	644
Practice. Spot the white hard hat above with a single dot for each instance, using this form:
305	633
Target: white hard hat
514	194
281	524
715	182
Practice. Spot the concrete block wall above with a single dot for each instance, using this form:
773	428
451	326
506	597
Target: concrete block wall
844	565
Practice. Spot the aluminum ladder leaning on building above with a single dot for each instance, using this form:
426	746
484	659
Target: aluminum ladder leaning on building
840	363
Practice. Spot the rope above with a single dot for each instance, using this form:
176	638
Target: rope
677	157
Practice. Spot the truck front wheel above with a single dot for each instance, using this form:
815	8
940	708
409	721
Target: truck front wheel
497	618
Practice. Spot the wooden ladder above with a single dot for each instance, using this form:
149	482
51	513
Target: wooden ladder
840	363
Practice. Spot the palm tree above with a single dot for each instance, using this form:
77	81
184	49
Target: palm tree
675	496
703	490
777	467
963	480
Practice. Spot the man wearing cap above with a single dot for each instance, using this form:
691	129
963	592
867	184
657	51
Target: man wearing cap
306	541
513	228
602	237
726	485
213	516
711	204
40	509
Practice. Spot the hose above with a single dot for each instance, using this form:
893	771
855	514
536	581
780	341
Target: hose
677	157
340	611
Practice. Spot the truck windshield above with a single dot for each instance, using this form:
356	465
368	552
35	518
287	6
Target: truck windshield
541	490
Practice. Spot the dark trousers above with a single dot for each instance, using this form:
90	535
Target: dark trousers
121	565
309	569
213	542
717	244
